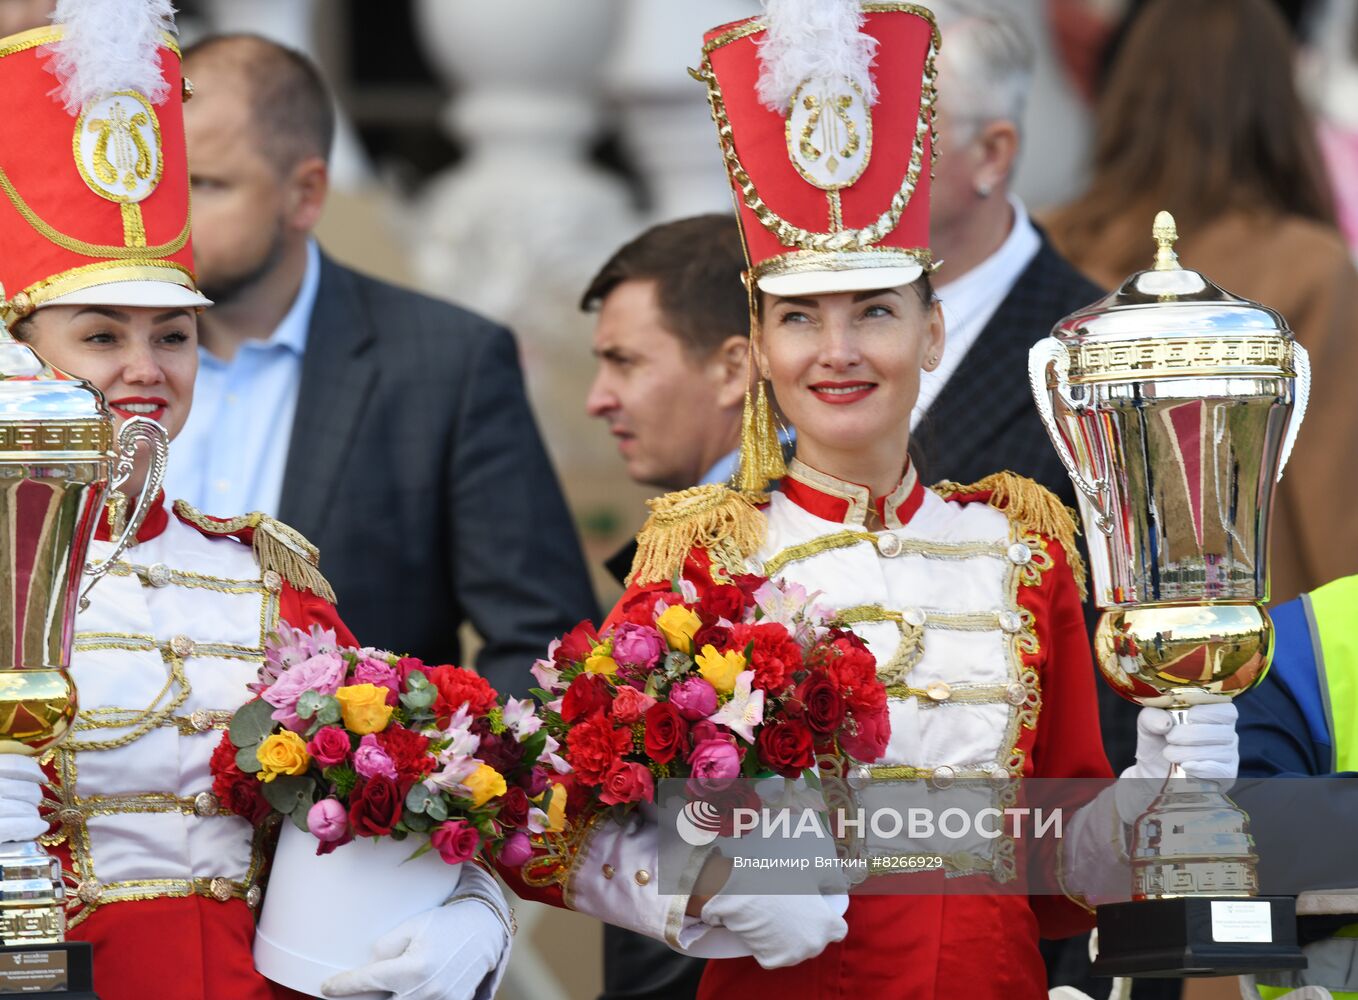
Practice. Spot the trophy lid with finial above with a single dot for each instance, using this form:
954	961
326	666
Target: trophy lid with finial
1172	321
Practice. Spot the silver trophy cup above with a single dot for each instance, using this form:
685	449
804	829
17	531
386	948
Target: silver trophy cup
57	464
1173	405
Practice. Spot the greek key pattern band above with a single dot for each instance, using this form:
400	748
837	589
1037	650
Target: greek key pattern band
75	435
1181	356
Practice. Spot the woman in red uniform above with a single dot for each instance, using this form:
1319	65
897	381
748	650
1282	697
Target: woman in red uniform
96	263
968	596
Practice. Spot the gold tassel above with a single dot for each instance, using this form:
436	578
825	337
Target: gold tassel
1032	506
287	552
761	452
712	517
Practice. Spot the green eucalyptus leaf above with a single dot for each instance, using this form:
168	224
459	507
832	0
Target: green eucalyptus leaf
308	704
298	817
437	809
328	712
252	722
419	698
247	759
287	792
417	823
419	797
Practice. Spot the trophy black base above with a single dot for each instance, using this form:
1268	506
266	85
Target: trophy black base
1198	936
63	971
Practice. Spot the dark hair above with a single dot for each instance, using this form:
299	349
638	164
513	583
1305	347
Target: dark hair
290	105
696	264
1200	115
22	330
924	287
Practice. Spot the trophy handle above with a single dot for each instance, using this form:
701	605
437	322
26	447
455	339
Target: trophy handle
1050	353
1301	396
135	431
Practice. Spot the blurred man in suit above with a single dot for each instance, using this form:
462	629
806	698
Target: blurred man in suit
392	429
672	342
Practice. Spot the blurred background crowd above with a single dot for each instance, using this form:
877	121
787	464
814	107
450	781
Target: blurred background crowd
497	154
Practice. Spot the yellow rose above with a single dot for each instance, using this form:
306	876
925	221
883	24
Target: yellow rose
485	783
556	809
599	662
720	669
282	753
679	625
364	708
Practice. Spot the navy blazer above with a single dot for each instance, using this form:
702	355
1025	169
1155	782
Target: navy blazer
416	466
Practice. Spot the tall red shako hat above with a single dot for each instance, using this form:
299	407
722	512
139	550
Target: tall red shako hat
824	113
94	185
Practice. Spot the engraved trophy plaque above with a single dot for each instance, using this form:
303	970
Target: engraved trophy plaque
57	462
1173	405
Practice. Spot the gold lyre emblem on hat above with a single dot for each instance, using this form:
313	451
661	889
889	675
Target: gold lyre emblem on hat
829	132
117	147
133	158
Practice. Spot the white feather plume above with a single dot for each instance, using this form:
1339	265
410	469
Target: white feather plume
107	46
813	39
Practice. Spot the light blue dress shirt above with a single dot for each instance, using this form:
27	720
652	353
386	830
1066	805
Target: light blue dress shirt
725	468
230	456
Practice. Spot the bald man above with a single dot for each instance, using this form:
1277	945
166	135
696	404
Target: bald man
392	429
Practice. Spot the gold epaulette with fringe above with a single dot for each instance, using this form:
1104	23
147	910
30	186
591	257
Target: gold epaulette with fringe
714	517
276	546
1031	506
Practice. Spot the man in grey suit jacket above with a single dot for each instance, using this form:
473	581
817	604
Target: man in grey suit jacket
390	428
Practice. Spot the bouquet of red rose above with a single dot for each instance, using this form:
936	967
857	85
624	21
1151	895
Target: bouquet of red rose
748	680
362	743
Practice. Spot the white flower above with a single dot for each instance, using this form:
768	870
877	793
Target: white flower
781	603
549	754
744	711
450	779
546	674
519	716
537	820
462	741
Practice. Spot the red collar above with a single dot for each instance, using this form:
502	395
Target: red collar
836	500
156	520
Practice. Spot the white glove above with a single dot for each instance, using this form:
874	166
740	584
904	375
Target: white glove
21	782
1205	745
780	930
456	951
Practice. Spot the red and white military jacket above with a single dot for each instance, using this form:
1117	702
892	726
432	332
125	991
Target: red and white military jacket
159	879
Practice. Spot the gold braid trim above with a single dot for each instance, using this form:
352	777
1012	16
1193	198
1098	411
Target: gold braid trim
1031	506
725	523
276	546
286	551
560	856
